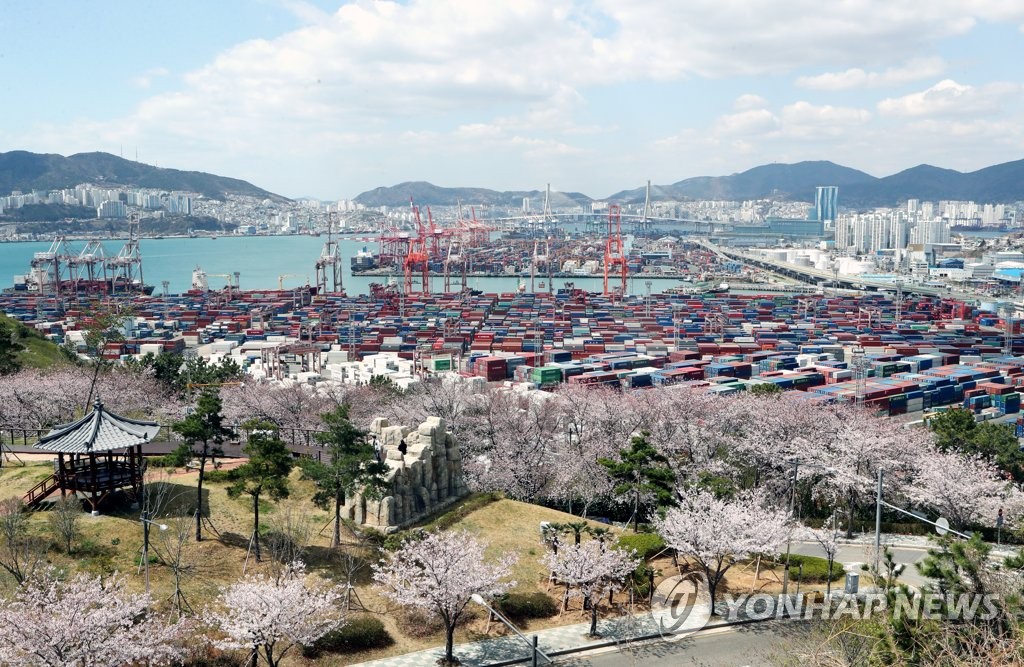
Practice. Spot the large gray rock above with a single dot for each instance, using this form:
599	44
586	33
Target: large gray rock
426	479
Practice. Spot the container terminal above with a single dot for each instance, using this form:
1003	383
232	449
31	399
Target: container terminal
897	353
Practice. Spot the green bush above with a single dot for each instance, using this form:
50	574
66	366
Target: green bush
814	569
220	475
640	580
528	605
462	510
359	634
646	545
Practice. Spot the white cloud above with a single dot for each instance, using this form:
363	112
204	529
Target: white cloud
948	97
145	80
353	92
746	123
749	101
913	70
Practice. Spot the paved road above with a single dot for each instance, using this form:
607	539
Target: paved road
737	646
856	553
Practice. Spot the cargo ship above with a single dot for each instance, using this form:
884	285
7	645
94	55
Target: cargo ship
362	261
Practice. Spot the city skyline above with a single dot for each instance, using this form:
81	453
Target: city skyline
327	99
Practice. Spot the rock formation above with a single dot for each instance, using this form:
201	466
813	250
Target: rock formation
425	479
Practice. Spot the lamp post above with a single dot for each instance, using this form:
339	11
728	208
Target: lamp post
146	522
941	526
477	598
796	463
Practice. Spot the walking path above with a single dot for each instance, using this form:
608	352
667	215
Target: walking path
511	648
570	638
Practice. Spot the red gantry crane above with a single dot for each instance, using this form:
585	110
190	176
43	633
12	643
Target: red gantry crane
614	257
417	257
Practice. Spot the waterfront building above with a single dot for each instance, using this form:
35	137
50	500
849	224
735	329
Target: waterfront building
826	202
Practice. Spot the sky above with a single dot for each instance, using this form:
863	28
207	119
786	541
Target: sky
327	99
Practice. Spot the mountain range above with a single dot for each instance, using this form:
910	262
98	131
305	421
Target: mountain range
25	171
1001	183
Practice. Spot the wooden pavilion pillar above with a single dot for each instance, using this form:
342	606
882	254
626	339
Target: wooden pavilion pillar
132	468
111	481
92	470
60	475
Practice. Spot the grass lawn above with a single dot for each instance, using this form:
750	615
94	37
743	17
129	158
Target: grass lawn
38	352
112	542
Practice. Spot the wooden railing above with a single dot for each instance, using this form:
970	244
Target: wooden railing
40	491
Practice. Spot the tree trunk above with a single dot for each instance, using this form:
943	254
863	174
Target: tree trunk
593	618
449	641
339	498
256	525
849	521
636	512
828	578
712	586
199	496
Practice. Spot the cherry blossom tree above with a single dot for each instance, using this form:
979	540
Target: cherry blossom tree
827	537
508	443
592	570
716	533
439	573
271	616
965	489
858	444
85	620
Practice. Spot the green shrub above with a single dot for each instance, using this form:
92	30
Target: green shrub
646	545
220	475
814	569
640	580
359	634
528	605
462	510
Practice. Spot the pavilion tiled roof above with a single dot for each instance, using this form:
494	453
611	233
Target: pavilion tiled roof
98	431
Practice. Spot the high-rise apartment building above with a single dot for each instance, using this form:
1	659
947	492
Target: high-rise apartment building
826	202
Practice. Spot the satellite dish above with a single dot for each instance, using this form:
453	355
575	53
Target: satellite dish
942	525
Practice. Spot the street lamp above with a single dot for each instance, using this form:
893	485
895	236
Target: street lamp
146	522
796	463
532	643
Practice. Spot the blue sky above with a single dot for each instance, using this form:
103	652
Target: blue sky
328	99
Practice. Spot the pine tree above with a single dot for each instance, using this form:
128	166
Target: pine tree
643	474
204	432
351	466
266	472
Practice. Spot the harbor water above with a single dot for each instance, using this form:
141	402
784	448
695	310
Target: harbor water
262	260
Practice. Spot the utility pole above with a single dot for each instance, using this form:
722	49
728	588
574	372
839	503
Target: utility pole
878	522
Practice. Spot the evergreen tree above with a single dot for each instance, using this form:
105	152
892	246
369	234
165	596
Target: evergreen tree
351	466
266	472
642	474
204	432
10	346
956	430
